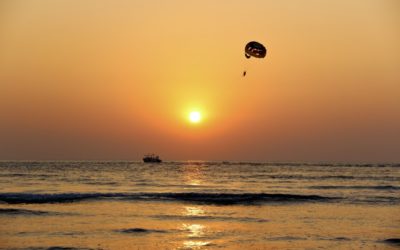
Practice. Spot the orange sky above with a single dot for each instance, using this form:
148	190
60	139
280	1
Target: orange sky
116	79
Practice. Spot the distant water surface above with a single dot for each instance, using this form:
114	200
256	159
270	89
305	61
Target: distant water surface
198	205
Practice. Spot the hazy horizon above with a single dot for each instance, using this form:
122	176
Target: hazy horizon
317	163
100	80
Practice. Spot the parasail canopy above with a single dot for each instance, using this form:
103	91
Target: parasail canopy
255	49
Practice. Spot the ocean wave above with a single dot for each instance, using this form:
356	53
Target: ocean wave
332	177
390	200
102	183
16	211
205	198
285	238
29	198
230	198
208	218
52	248
393	241
383	187
138	230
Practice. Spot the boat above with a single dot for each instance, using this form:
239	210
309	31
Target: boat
152	158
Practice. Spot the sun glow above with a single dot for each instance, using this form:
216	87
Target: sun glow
194	117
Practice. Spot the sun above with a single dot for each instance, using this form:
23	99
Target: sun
195	117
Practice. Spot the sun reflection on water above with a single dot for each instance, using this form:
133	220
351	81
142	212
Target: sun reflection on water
194	244
193	175
194	231
194	211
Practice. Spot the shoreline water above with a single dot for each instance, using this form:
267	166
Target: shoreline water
201	205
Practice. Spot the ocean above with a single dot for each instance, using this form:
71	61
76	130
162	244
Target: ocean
198	205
